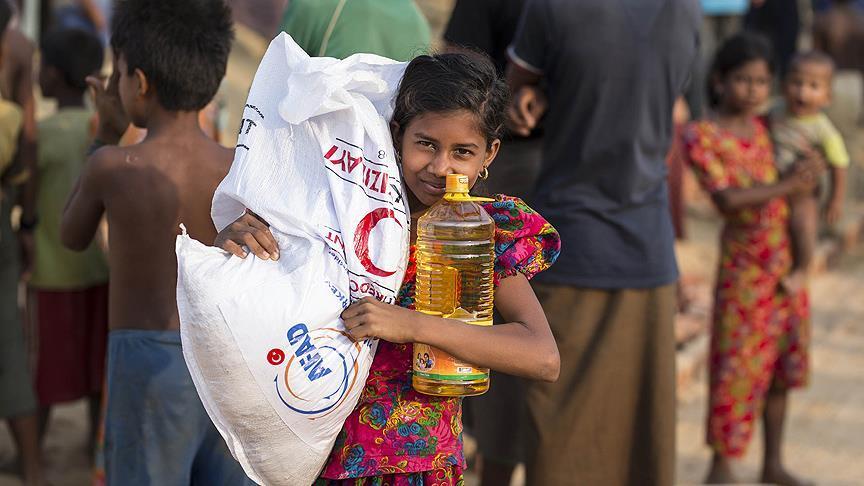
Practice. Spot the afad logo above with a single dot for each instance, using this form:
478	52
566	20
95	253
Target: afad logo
320	369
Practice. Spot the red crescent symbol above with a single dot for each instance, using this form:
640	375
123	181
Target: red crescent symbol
276	356
361	239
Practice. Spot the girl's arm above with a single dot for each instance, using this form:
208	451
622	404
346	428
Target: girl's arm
802	178
523	346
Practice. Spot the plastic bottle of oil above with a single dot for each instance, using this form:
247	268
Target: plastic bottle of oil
455	260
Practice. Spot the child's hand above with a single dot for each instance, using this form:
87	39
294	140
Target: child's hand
372	318
250	231
113	121
804	175
834	211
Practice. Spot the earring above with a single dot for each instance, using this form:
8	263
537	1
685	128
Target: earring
484	174
398	157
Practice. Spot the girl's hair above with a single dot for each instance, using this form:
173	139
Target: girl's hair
734	53
451	82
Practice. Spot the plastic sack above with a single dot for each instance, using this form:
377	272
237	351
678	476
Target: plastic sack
263	341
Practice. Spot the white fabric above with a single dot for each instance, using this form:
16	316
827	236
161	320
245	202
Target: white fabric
263	339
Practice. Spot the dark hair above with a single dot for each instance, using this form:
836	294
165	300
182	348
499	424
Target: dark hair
75	53
181	46
450	82
811	57
5	15
734	53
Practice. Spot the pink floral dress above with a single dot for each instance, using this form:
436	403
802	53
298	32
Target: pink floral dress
397	436
760	334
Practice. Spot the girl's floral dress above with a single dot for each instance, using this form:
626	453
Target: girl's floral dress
760	334
397	436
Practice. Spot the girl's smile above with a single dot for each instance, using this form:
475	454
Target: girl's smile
436	144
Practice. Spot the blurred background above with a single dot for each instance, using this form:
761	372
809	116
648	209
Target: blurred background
826	424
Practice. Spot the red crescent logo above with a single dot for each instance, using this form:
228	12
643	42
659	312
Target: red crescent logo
276	356
361	239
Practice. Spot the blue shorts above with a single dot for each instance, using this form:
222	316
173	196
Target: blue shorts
156	430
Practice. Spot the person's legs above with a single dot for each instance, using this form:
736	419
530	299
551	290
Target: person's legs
149	435
498	422
773	470
94	409
610	417
25	430
213	464
17	400
44	417
803	232
792	370
496	473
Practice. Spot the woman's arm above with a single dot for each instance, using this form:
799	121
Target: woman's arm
523	346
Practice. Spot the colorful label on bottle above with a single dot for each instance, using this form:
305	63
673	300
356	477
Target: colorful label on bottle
434	364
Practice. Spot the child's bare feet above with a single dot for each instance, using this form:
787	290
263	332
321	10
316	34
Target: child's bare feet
781	477
794	282
720	473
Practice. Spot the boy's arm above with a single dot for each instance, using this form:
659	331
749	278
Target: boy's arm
85	206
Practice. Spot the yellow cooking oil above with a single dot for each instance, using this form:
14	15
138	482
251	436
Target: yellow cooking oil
455	261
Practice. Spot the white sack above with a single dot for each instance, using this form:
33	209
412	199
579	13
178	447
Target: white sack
262	339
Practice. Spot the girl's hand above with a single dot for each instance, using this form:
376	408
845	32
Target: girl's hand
250	231
372	318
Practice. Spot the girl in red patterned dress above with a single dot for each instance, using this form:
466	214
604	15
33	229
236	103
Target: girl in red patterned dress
448	118
760	331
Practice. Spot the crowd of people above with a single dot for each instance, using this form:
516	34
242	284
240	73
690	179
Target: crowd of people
579	105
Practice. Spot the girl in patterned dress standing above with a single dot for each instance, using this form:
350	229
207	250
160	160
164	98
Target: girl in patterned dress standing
448	118
760	332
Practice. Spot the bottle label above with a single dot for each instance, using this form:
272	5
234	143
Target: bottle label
434	364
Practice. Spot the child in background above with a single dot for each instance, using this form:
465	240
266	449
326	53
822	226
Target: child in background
17	401
448	117
68	298
799	126
760	332
169	60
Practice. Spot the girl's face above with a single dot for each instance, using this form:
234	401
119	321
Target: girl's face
746	89
436	144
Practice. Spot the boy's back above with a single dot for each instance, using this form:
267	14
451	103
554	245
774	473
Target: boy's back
66	136
170	58
148	190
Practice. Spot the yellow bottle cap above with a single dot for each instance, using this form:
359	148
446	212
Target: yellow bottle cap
456	183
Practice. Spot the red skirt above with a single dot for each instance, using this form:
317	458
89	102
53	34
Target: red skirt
70	332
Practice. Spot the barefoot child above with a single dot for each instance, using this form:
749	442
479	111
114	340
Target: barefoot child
799	125
448	118
760	333
68	292
169	60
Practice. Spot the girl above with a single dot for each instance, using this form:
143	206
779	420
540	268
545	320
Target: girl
448	117
760	332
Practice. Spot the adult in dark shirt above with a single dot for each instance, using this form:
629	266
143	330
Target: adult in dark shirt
498	419
613	71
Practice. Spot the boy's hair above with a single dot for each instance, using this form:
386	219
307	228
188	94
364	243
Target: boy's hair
181	46
75	53
734	53
811	57
450	82
5	15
